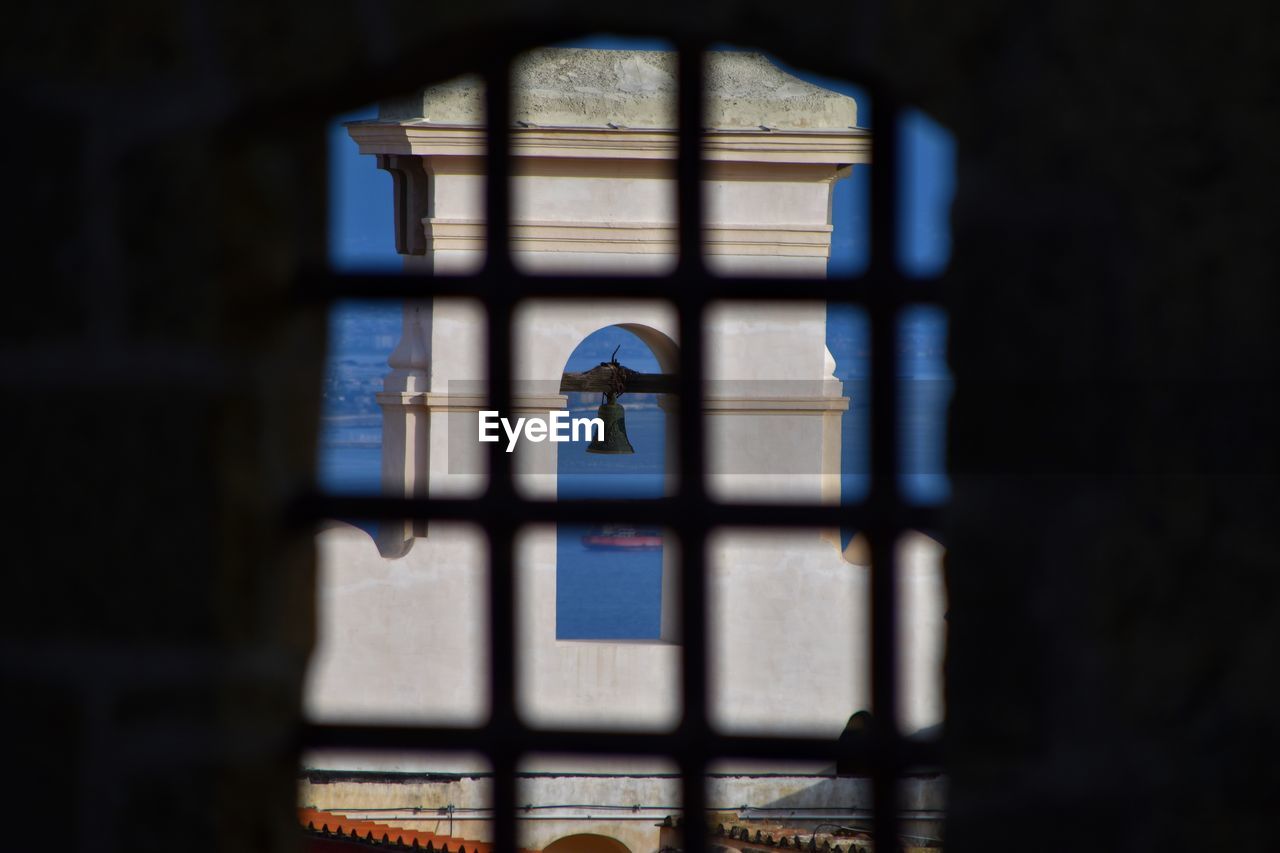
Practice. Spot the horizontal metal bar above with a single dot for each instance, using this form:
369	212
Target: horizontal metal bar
626	812
521	814
880	286
674	512
914	755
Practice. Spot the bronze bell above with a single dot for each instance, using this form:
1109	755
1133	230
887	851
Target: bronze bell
615	429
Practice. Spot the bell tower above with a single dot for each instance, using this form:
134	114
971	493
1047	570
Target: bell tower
594	192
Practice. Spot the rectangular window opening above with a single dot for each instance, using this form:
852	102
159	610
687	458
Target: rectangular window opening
696	686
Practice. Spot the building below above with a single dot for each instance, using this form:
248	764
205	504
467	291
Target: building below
613	813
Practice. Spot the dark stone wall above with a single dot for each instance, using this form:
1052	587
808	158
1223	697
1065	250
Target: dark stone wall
1112	569
1113	535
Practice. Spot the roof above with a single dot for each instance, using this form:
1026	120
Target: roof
578	87
341	833
774	837
759	837
743	838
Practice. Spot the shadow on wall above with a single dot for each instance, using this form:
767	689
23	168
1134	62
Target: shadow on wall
846	800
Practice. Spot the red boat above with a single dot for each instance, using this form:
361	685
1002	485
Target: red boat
622	539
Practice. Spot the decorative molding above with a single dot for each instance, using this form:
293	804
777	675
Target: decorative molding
410	189
774	405
796	405
837	147
812	241
410	361
437	402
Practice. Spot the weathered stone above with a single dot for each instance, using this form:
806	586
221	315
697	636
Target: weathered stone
569	87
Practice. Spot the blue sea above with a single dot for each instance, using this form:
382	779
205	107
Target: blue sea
613	595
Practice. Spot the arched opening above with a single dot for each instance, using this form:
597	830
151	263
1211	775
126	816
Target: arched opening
586	843
609	581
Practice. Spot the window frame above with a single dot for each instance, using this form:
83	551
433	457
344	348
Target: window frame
689	515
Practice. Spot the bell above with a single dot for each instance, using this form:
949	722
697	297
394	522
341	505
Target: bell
615	429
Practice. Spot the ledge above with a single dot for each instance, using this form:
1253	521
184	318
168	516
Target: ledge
423	139
633	237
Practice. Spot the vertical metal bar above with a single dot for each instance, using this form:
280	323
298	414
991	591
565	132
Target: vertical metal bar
689	157
505	743
884	502
498	267
692	527
503	724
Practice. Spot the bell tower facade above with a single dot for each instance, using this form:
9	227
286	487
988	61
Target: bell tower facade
593	192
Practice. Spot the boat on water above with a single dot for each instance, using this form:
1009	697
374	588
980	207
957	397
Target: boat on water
622	539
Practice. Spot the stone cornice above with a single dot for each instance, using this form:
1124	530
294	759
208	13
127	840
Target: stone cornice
633	237
438	402
797	405
774	405
835	147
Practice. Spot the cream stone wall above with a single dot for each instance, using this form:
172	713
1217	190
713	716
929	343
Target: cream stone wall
405	639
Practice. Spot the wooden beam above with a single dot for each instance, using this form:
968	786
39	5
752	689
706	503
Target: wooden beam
614	377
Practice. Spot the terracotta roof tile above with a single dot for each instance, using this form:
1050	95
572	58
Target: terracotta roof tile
331	825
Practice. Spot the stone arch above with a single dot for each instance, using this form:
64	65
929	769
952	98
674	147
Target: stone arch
656	331
659	343
664	350
663	347
548	331
586	842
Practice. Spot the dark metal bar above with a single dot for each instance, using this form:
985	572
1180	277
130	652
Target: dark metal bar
502	750
378	737
884	500
694	684
689	157
504	745
694	286
672	512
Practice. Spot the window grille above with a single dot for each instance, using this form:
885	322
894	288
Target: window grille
688	514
